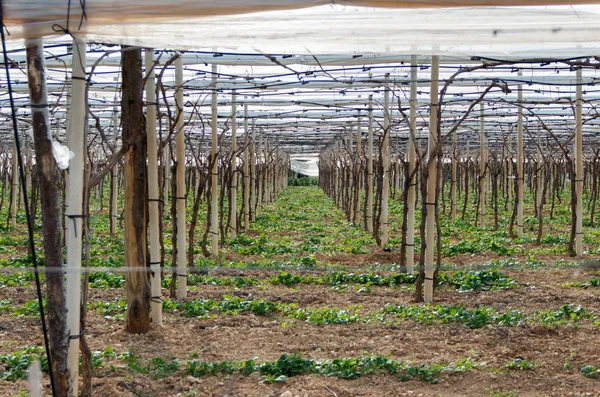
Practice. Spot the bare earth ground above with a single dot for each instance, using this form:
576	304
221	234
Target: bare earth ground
558	351
245	336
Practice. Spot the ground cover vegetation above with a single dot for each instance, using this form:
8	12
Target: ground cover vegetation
306	301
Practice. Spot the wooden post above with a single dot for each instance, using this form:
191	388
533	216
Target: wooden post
233	204
539	172
579	166
520	164
253	176
134	181
509	174
166	159
268	170
431	180
74	205
338	174
370	169
180	194
28	158
15	187
482	178
153	196
412	154
396	174
260	173
246	172
351	179
385	157
358	169
214	216
114	173
49	180
454	177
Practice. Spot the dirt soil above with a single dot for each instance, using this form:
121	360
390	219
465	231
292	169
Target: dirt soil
558	351
245	336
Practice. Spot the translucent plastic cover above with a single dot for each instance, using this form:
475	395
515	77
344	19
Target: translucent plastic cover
319	27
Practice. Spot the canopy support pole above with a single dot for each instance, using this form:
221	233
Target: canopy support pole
246	172
370	169
233	183
509	175
153	197
520	164
15	188
114	172
180	194
482	178
253	177
579	167
166	159
351	179
432	179
412	184
358	169
74	205
214	210
454	160
260	173
385	157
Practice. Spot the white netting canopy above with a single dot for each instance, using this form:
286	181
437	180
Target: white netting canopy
321	27
305	166
309	71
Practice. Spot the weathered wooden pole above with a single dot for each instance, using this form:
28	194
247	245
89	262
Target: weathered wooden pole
520	163
412	184
351	179
396	174
214	215
453	180
579	166
336	171
74	205
15	187
260	173
233	186
246	171
268	156
166	161
539	172
253	176
49	180
430	200
114	172
153	195
509	175
180	190
28	166
358	170
385	158
482	166
370	169
134	182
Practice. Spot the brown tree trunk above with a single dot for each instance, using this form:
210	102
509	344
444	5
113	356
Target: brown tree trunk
134	180
49	180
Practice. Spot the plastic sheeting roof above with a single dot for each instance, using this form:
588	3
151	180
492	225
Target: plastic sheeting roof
306	109
268	26
305	166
